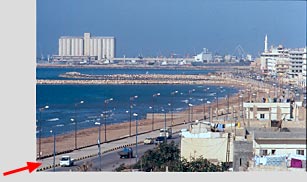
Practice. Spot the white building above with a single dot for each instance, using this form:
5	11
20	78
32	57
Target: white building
297	57
86	46
199	142
297	66
280	143
267	111
270	59
282	62
204	57
304	75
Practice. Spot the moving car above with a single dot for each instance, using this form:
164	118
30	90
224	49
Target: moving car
126	152
160	139
66	161
149	140
166	132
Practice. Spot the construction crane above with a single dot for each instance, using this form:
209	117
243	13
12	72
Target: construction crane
241	54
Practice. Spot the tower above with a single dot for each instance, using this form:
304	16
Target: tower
266	43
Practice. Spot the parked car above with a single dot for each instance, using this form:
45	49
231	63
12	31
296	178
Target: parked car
149	140
126	152
66	161
160	139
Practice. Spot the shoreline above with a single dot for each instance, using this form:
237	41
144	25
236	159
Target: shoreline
114	66
65	142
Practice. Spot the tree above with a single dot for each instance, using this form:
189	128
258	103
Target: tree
168	154
86	166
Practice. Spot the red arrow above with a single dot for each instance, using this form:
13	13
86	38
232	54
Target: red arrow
31	166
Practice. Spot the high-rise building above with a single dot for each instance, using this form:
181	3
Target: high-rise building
75	47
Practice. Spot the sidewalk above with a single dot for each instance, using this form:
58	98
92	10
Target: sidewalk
47	163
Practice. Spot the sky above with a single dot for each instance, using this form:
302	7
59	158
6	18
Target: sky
163	27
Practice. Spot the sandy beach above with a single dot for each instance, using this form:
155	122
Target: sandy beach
89	136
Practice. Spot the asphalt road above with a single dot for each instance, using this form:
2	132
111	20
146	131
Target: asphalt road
111	160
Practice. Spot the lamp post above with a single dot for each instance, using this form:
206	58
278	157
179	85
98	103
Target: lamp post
130	107
40	130
76	128
217	102
254	96
274	85
52	132
172	101
205	102
136	136
240	98
105	117
153	109
227	106
163	110
191	113
99	143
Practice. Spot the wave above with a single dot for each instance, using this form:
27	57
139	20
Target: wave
53	119
185	101
59	125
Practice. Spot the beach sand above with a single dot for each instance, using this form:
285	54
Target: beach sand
86	137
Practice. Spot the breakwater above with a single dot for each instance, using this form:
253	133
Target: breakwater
87	79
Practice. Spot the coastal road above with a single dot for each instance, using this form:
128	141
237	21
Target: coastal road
111	160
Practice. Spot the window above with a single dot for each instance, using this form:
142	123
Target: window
263	109
273	152
263	152
300	152
262	116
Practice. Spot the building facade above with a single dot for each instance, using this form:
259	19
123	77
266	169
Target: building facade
213	146
86	46
267	111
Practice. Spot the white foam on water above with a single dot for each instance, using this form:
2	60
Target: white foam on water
53	119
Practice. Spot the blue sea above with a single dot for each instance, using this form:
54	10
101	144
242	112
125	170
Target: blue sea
64	100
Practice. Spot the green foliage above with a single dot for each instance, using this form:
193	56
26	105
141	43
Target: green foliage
86	166
120	167
165	154
168	154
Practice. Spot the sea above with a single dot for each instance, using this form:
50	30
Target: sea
85	104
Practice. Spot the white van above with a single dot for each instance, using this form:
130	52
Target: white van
66	161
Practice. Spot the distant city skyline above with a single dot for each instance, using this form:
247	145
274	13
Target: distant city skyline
160	27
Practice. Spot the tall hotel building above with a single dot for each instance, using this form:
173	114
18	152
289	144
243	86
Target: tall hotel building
94	48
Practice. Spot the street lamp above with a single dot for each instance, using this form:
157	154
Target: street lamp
53	149
130	107
105	117
274	85
240	97
227	96
40	129
217	102
172	101
136	136
190	113
205	102
153	109
76	128
164	124
254	96
99	143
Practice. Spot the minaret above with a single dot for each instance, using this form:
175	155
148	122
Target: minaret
266	43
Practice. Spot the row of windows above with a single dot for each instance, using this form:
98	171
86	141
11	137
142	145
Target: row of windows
273	152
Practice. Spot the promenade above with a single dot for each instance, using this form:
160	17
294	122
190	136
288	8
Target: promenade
92	151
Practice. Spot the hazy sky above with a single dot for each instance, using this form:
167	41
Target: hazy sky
154	27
